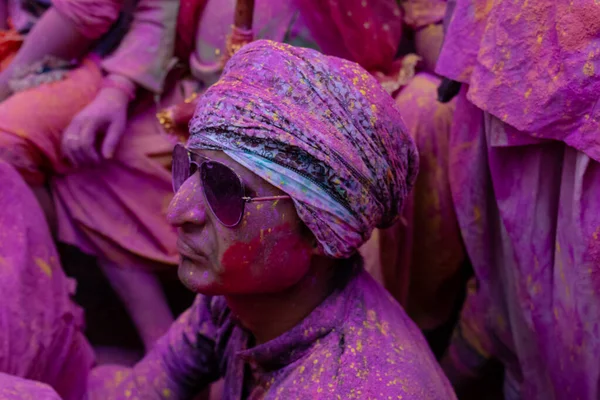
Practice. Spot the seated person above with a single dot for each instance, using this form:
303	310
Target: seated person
293	159
41	330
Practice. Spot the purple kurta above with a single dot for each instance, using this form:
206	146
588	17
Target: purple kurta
527	206
358	343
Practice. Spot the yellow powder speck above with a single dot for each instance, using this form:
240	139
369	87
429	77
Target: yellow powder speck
540	37
528	93
166	393
588	69
44	266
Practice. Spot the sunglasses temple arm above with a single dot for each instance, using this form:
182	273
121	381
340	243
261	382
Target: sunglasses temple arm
259	199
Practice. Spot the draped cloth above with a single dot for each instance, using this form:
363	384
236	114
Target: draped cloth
524	178
319	128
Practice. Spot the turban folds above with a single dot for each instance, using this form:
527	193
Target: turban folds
320	129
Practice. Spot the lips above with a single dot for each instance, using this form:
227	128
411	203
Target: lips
188	251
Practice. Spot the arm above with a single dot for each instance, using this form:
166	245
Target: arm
66	31
141	60
182	363
146	52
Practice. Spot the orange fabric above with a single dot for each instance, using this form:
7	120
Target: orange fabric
419	259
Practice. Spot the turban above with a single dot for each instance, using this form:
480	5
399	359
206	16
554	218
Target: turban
319	128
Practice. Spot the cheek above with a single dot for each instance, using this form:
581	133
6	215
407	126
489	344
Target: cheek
290	254
276	257
238	260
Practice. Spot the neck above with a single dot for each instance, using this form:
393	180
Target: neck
268	316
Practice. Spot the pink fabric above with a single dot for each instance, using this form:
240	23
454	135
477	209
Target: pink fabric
273	20
434	254
190	12
15	388
366	32
530	220
357	343
93	18
527	206
40	328
533	65
98	208
145	55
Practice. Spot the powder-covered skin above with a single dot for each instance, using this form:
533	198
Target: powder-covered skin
358	344
277	246
41	329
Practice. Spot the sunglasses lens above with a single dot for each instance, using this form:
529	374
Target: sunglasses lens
180	167
224	192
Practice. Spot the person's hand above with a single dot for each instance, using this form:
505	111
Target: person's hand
95	132
175	119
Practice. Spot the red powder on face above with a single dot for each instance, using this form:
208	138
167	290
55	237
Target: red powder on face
241	255
291	250
276	248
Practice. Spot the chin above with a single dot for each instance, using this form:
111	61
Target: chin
198	278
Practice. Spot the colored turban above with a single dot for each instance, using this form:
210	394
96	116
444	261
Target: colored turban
319	128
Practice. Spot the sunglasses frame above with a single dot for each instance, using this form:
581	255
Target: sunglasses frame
246	199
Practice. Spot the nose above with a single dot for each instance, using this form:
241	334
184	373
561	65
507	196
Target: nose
187	206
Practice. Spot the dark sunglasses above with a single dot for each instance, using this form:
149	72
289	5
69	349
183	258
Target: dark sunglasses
223	188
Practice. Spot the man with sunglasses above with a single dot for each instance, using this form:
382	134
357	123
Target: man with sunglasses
294	158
